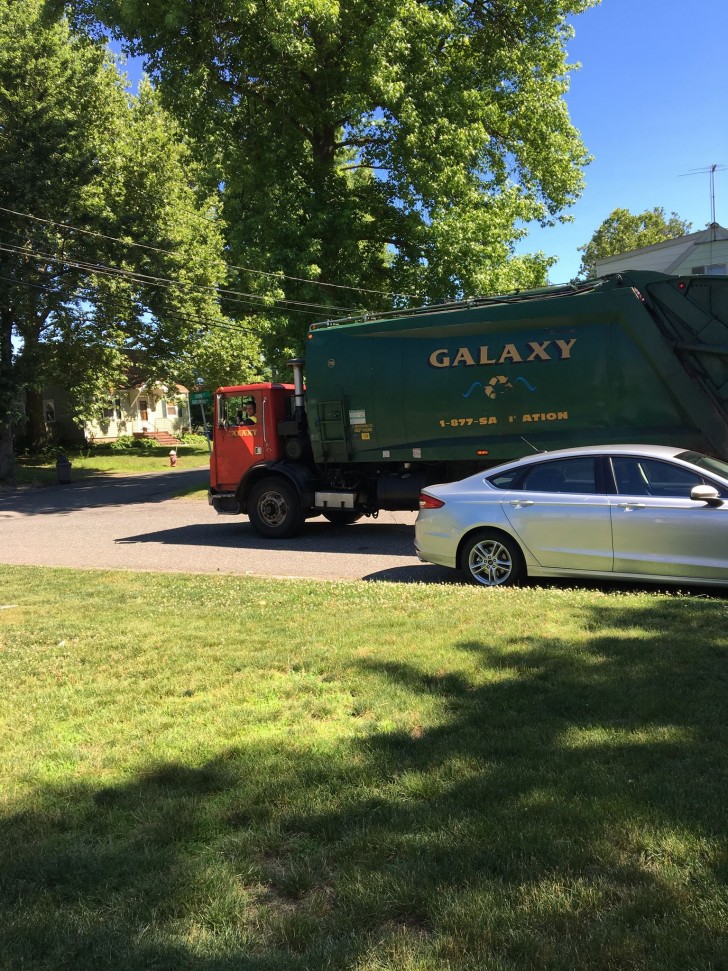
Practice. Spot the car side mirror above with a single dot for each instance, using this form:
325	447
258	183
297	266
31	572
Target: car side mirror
706	493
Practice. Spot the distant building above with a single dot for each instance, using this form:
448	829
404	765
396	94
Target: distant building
143	410
700	253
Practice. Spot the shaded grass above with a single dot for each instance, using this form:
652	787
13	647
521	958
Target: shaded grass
223	772
37	471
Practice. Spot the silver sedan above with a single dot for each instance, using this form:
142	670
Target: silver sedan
639	512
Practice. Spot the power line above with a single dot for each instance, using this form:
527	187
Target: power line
219	291
172	315
300	279
231	266
146	279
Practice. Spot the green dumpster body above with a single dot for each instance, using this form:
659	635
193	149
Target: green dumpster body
635	358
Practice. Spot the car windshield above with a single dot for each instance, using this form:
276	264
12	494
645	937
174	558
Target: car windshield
707	462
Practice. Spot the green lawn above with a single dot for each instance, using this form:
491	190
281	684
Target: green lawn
218	773
36	471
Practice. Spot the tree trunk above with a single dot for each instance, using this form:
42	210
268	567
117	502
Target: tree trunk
7	459
37	429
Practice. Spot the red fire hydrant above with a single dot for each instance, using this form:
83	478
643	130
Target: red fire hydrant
172	457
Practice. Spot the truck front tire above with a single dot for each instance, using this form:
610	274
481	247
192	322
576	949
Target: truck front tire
274	509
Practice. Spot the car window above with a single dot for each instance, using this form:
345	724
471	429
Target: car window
506	480
577	475
707	462
651	477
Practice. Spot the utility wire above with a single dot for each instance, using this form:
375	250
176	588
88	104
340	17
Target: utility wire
148	280
219	291
168	314
231	266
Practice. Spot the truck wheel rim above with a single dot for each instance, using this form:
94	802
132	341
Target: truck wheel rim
490	563
273	509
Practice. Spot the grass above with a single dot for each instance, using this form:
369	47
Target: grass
220	773
102	460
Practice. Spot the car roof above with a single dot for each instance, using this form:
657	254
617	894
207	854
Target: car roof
649	451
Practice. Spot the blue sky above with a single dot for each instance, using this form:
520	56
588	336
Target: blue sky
651	103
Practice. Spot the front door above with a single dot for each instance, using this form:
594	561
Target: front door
239	437
658	530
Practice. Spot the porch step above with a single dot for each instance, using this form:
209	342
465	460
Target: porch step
163	438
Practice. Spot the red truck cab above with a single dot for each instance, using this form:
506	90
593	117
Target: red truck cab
245	438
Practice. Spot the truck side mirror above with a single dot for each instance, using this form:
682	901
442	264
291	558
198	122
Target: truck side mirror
706	493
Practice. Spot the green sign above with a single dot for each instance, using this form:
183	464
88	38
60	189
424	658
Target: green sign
201	398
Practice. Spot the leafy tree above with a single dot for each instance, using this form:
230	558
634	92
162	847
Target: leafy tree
395	145
622	231
106	248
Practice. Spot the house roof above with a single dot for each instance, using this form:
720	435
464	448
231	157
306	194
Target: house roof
681	246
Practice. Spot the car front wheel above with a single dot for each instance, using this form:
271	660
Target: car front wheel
492	560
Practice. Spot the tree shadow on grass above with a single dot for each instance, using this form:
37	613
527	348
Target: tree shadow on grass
561	805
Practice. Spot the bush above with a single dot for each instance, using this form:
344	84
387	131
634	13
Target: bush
197	441
128	441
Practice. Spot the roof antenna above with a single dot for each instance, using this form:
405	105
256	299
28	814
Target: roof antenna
711	170
537	450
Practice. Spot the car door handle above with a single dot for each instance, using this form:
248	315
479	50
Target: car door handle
631	505
521	502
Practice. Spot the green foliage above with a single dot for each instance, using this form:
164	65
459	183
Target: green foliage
122	260
190	438
622	231
124	442
399	145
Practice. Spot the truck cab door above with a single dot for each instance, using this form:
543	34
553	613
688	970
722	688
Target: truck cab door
240	436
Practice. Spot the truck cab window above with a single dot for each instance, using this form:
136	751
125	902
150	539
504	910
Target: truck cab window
238	410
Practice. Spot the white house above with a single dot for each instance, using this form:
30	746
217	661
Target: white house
700	253
144	411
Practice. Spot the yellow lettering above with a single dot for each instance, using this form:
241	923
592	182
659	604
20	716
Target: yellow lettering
565	348
510	353
440	358
484	359
538	351
463	356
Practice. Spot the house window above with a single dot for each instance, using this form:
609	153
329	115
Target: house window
49	410
711	269
112	410
170	408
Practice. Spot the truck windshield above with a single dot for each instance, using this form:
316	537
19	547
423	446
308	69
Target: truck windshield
706	462
238	409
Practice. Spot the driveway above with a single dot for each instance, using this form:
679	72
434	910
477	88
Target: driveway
134	523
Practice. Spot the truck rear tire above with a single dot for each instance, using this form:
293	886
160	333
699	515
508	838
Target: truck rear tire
274	509
342	517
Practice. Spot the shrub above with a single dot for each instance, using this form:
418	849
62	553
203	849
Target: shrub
190	438
128	441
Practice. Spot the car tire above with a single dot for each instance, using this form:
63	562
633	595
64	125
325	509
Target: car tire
492	559
342	517
274	509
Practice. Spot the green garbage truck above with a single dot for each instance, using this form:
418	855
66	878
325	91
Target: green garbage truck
393	403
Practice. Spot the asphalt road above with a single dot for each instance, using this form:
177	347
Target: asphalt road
134	523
